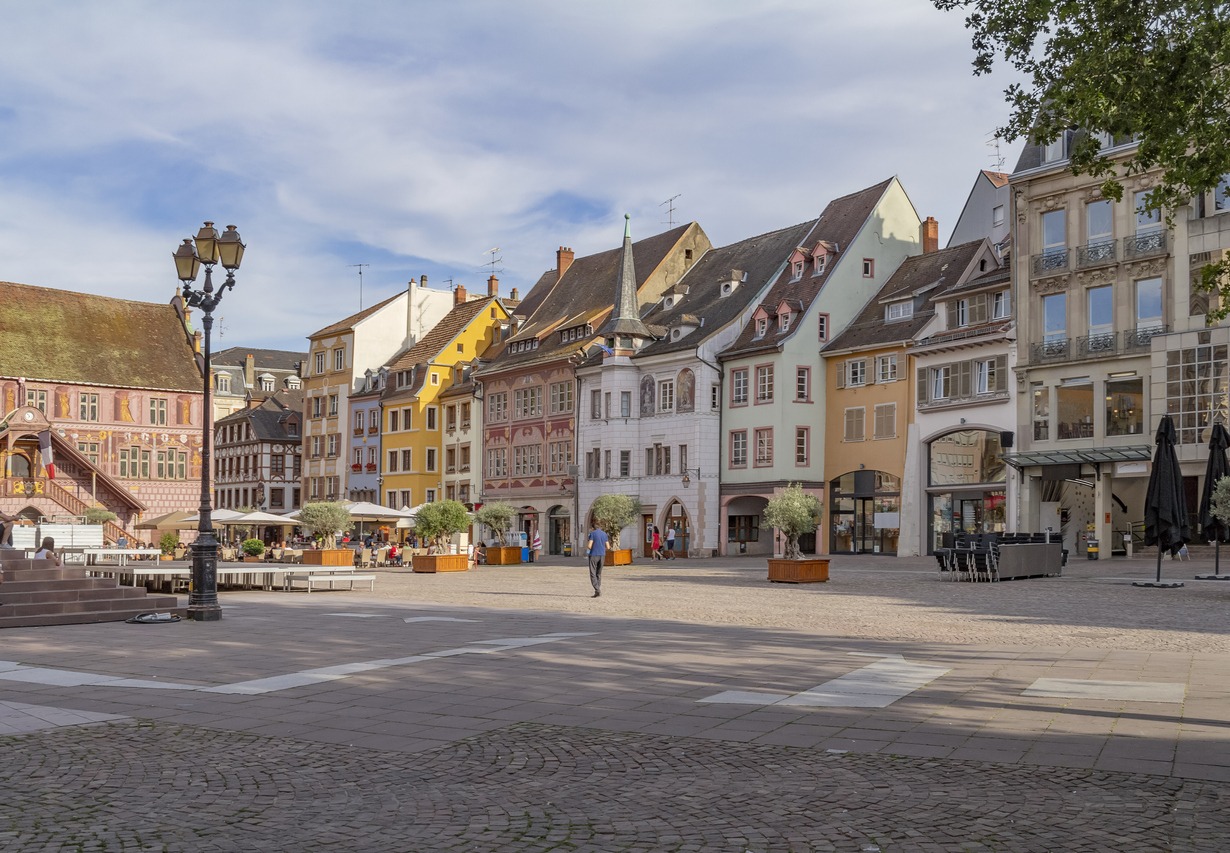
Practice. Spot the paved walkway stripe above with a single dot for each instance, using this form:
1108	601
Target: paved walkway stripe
1128	691
876	685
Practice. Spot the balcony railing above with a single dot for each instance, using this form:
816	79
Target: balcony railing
1145	244
1091	346
1095	254
1052	262
1056	350
1139	339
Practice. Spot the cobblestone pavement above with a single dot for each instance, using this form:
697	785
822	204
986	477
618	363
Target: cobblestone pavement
503	709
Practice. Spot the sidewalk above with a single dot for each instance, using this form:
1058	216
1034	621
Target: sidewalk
693	707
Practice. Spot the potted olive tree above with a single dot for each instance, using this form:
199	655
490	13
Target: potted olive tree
499	515
167	545
613	513
794	512
324	520
437	523
253	550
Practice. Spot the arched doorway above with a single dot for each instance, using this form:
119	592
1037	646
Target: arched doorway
744	515
966	485
676	516
559	529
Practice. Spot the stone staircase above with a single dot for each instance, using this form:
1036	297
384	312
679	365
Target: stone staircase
35	593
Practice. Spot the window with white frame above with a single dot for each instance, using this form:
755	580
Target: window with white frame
561	397
854	423
88	407
802	384
527	402
764	446
407	416
158	411
497	462
1146	220
332	445
559	457
822	327
764	383
595	404
886	368
802	445
738	387
224	383
885	421
407	459
984	376
818	263
625	463
333	405
762	326
941	382
869	268
320	363
783	321
899	310
738	448
625	404
856	372
339	358
497	406
1148	304
394	457
997	215
962	314
527	460
1001	305
666	395
797	269
394	419
358	420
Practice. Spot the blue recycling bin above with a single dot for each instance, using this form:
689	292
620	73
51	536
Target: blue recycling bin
525	555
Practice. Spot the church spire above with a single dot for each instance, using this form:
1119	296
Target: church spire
625	321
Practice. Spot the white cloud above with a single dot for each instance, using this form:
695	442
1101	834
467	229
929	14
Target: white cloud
385	133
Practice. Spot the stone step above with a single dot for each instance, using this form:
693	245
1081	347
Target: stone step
35	593
142	605
41	620
71	593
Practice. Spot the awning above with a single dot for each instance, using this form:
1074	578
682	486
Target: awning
1090	455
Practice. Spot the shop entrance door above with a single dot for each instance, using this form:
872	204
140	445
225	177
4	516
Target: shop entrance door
967	515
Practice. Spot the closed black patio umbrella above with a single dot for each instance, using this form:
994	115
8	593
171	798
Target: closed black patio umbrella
1213	529
1165	513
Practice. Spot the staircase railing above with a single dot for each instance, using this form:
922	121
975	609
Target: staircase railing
76	506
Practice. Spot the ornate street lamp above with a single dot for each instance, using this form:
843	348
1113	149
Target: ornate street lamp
211	248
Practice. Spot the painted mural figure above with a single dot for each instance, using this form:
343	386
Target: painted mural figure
687	391
647	396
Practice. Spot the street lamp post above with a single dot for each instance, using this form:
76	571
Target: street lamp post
210	248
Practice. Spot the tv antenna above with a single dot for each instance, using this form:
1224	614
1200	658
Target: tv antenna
669	204
360	267
493	252
997	158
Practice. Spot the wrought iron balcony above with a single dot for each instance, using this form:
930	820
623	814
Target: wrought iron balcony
1145	244
1055	350
1139	339
1053	262
1095	254
1105	343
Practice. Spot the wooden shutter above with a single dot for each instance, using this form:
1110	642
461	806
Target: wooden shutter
923	395
1001	373
952	314
964	384
840	378
978	309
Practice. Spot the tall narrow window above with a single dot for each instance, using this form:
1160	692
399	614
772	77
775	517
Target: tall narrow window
1146	220
1054	317
1149	304
1101	314
1054	232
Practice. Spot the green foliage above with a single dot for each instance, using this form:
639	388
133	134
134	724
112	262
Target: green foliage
253	547
1220	503
1156	70
325	519
793	512
169	542
99	515
498	515
615	512
441	520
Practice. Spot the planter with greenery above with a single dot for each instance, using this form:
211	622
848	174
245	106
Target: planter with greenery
794	512
253	550
437	523
99	515
613	513
324	520
499	515
167	544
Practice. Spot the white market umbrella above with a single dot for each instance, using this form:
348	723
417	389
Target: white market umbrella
219	516
368	511
264	518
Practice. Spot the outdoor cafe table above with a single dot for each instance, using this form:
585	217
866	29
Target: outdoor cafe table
121	554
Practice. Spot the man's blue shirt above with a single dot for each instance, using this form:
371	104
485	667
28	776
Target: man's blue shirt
599	540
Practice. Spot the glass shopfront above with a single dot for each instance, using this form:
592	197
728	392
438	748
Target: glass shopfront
866	513
966	486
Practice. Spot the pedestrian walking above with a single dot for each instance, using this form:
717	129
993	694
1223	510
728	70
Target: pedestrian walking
535	546
656	543
670	542
595	550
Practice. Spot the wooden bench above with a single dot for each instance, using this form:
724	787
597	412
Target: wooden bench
327	576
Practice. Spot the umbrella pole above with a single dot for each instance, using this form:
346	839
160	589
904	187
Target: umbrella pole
1159	562
1217	556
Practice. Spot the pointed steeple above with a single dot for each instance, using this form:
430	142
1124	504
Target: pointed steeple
625	321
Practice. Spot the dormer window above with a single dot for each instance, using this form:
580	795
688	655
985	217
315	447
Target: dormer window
676	334
783	321
728	288
818	264
293	382
224	383
762	326
899	311
798	269
668	302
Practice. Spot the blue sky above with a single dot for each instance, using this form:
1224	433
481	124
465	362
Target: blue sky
416	136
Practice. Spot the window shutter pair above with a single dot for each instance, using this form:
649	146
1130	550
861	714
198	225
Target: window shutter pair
923	396
840	379
1001	373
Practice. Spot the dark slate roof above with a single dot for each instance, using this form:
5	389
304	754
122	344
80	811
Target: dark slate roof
269	419
64	336
539	292
922	275
349	322
264	359
585	294
999	275
1031	157
839	224
760	257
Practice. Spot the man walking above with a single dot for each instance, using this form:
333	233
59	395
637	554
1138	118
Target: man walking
595	549
670	541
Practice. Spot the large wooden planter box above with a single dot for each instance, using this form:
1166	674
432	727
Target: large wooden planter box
248	558
799	571
621	557
504	556
328	557
432	563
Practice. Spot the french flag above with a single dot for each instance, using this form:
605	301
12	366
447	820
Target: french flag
44	449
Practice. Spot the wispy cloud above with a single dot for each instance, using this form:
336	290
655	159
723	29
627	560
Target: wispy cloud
414	137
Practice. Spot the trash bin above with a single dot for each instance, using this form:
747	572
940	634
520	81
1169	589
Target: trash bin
1091	549
567	549
525	555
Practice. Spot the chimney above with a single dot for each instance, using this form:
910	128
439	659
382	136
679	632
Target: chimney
493	286
410	288
929	232
423	281
249	371
563	260
459	295
512	294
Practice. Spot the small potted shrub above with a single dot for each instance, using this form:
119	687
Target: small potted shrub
437	523
613	513
167	544
794	512
499	515
324	520
253	550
